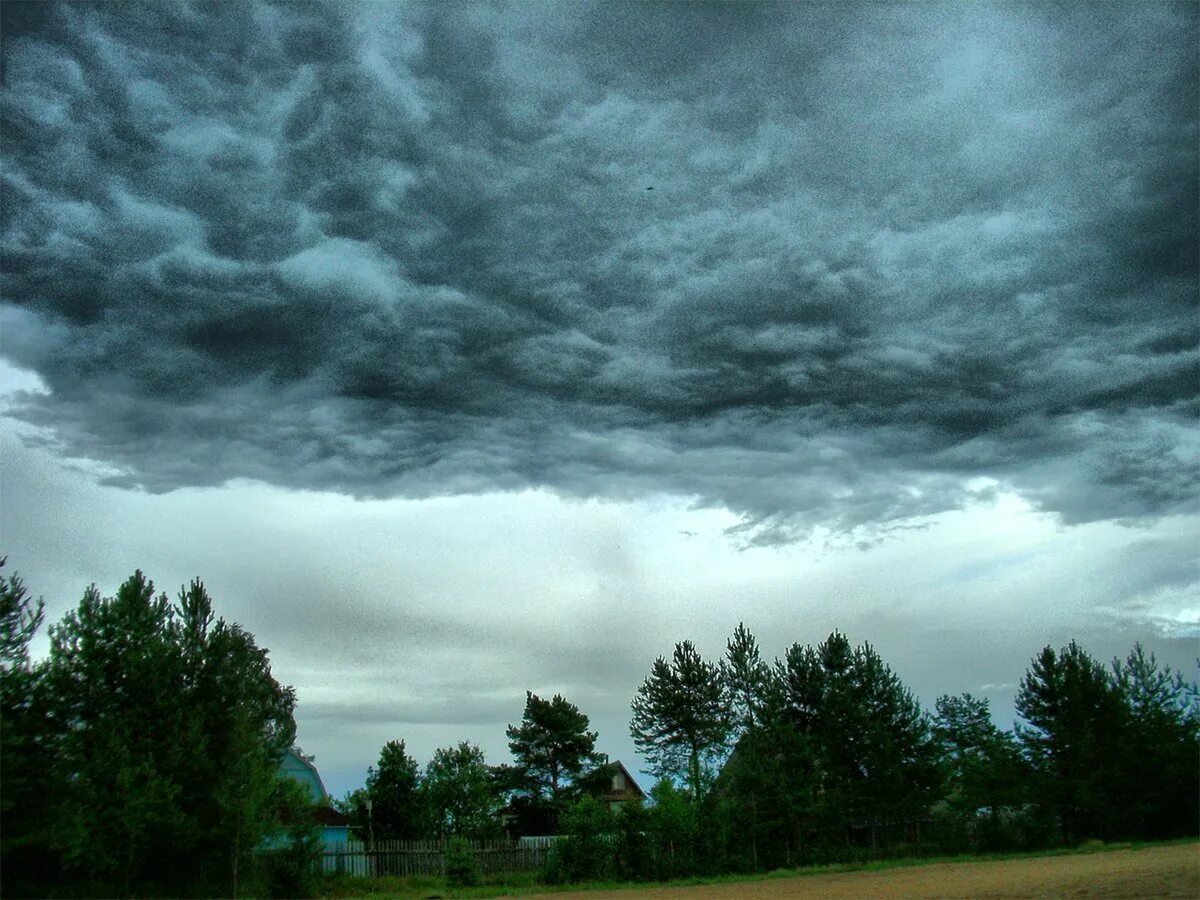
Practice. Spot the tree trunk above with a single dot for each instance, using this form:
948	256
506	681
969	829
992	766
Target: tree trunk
237	836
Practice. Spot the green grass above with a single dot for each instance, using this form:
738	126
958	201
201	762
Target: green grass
508	884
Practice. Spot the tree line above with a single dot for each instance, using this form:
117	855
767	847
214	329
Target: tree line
141	756
822	755
459	794
825	755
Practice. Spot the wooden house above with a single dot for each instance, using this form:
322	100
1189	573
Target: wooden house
624	789
335	828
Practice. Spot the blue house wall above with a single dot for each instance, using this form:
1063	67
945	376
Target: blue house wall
300	769
296	767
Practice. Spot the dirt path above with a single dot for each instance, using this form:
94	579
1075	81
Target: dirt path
1152	872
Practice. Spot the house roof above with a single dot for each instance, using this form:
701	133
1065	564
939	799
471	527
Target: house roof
632	789
327	815
294	756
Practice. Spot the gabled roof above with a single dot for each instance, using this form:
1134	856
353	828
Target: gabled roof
632	790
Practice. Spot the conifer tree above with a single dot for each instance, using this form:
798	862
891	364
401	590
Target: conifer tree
166	729
394	786
1074	714
680	719
23	751
1158	776
553	748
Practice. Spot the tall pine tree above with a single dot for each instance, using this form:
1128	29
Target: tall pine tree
553	748
1074	717
680	720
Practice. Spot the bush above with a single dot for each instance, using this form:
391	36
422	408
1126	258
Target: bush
587	849
289	862
634	853
462	868
673	830
293	870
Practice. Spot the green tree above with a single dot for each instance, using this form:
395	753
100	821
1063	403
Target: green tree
680	720
1074	715
875	762
290	867
587	849
20	619
747	679
673	828
1158	777
23	752
166	728
115	682
461	864
394	787
634	846
552	747
461	791
897	757
239	722
984	767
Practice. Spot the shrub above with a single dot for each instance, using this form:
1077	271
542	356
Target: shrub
634	853
462	868
673	829
587	847
293	870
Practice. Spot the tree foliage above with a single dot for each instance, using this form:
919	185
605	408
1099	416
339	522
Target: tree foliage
161	730
141	756
1113	752
461	791
1072	708
680	720
1160	779
983	769
586	849
23	747
872	755
552	747
394	786
393	804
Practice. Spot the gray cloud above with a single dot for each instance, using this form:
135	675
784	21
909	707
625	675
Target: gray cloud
413	251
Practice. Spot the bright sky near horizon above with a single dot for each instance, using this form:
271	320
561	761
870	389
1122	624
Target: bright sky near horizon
367	316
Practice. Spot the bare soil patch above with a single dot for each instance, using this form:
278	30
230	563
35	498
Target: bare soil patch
1170	871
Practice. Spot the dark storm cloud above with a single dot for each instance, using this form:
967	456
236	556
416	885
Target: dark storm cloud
415	250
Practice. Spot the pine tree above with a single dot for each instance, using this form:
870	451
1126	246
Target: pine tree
747	680
394	787
680	719
871	759
1075	718
24	755
983	765
1158	777
553	748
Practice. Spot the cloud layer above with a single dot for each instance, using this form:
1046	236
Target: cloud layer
832	266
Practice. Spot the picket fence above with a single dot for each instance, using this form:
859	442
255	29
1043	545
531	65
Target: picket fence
428	857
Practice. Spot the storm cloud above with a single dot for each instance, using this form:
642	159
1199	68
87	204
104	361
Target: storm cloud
831	266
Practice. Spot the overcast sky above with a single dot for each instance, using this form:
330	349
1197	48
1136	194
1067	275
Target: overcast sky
465	350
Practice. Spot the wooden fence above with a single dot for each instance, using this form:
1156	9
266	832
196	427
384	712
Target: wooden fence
396	857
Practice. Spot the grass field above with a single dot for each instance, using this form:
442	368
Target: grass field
1164	871
1149	870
